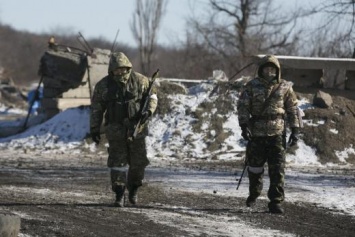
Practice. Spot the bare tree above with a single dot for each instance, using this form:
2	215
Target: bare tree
336	12
325	43
237	29
145	25
335	28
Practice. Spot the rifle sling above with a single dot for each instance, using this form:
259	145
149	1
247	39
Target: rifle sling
268	99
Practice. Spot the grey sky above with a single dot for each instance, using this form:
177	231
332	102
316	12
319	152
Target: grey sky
102	18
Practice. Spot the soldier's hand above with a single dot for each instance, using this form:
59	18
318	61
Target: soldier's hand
145	116
246	134
95	136
293	137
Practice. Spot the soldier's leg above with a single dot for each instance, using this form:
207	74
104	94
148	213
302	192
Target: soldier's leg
276	163
256	175
117	160
118	180
256	161
137	162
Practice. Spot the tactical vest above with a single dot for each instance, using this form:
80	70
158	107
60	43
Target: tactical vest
270	106
124	100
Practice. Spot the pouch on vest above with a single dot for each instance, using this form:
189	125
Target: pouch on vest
133	104
116	109
124	102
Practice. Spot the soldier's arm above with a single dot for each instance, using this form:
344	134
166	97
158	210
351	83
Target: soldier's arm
244	104
153	100
152	97
291	108
98	108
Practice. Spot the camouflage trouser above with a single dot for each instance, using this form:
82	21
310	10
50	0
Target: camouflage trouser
259	151
122	152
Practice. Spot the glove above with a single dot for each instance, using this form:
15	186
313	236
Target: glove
95	136
145	116
293	137
246	134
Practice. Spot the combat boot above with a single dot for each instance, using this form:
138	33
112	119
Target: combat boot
255	186
275	208
132	196
250	201
119	202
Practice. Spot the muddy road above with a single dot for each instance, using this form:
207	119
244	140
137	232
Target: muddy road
69	195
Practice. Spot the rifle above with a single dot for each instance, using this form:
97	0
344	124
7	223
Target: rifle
245	166
249	138
145	106
114	41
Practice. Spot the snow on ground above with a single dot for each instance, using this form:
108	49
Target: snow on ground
327	191
213	226
5	110
66	131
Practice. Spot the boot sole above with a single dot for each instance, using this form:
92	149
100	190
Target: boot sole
276	211
121	203
132	201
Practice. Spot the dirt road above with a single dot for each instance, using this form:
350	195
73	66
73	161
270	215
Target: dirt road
69	195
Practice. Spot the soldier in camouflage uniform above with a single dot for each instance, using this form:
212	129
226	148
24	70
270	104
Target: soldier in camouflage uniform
118	99
265	105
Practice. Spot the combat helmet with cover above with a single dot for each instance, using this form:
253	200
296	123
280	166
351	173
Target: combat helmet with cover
117	60
269	60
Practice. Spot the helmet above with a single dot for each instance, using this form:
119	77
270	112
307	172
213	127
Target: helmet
118	59
51	40
269	61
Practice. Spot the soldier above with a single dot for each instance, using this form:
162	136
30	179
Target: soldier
265	104
52	44
118	98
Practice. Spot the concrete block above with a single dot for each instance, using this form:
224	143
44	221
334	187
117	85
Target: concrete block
9	225
65	103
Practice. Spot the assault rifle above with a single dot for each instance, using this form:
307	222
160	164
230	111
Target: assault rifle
114	42
145	106
244	168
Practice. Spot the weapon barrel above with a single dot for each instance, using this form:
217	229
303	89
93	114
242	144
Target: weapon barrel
241	177
145	106
245	166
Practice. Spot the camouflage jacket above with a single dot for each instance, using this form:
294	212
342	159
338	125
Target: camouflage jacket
119	103
267	116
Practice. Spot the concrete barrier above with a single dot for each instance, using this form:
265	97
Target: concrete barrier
9	225
335	73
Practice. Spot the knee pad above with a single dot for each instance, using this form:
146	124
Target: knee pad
256	170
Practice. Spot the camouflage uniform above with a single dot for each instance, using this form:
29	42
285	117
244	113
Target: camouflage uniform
266	122
118	102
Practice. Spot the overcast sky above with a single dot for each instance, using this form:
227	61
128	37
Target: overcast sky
103	18
92	18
